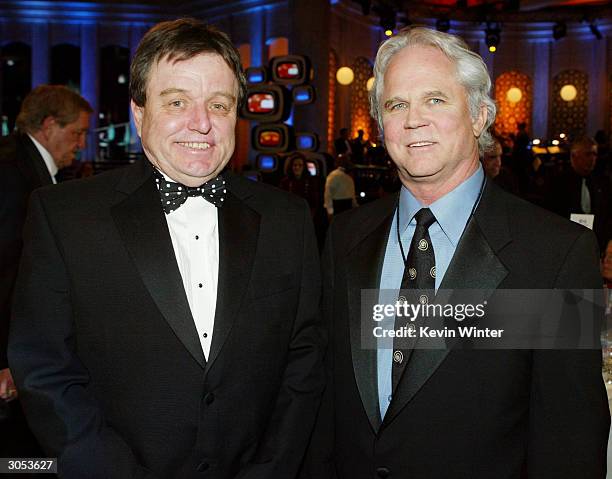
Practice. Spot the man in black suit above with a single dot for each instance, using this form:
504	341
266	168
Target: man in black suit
342	144
166	313
443	412
576	189
52	124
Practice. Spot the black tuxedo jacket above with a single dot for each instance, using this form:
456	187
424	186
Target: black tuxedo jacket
477	414
105	350
22	169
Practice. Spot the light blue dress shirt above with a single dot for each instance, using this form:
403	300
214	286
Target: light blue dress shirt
452	213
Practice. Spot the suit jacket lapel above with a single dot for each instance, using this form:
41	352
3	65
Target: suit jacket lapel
140	220
474	266
365	261
238	235
33	166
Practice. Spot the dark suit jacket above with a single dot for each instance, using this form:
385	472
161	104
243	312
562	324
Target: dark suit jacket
106	353
477	414
22	169
342	146
566	196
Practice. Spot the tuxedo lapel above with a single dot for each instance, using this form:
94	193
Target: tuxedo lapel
365	261
474	266
238	235
140	220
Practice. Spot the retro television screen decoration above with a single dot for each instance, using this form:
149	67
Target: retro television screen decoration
303	95
271	138
266	162
266	103
256	75
290	69
307	141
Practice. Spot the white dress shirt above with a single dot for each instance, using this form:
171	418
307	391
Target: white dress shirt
48	159
585	197
195	238
338	186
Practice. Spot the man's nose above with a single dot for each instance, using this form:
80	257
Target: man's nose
199	120
414	118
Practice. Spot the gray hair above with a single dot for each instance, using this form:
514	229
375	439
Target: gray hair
582	143
471	73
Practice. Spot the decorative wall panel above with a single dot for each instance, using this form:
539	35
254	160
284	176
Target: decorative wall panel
359	107
569	117
511	113
331	100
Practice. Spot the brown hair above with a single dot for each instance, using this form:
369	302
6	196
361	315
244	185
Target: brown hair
44	101
181	40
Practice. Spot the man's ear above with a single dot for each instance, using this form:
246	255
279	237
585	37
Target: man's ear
137	113
48	123
479	122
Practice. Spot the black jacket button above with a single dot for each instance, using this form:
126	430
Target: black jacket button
202	466
209	398
383	472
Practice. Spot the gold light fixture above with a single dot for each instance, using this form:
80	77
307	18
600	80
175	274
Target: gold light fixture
568	92
514	94
345	76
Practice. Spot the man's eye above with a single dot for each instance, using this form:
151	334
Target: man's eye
177	103
436	101
220	107
397	106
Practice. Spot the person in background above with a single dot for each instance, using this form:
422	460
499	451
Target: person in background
342	144
576	190
299	182
521	156
494	169
359	148
339	193
51	128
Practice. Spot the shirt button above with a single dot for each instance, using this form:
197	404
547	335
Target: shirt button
199	285
205	335
197	237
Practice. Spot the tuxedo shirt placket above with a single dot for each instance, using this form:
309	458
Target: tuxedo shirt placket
195	240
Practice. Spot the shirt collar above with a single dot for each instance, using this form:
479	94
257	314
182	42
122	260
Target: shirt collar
47	158
452	211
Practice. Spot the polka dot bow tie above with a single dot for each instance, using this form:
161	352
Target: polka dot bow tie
173	195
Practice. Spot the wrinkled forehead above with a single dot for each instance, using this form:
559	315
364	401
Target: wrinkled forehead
426	64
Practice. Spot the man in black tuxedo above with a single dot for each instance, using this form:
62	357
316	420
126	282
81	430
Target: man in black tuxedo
397	412
52	124
166	313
